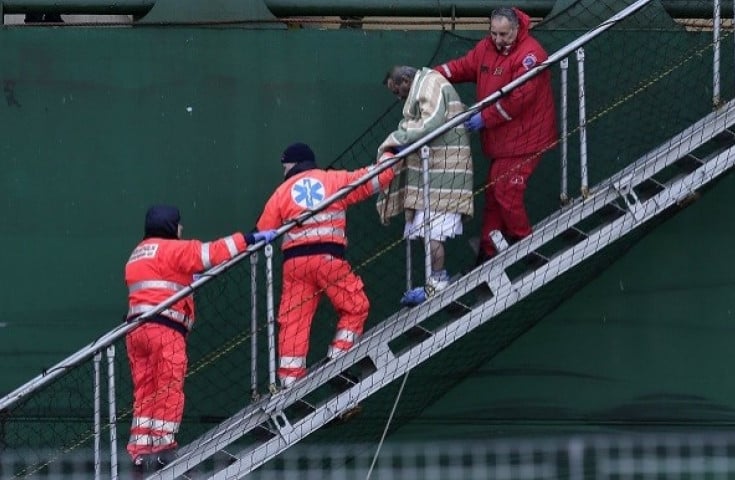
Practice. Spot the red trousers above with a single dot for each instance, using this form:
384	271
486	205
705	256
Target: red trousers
158	363
504	207
304	280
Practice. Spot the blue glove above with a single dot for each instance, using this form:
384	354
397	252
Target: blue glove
255	237
399	148
413	297
475	122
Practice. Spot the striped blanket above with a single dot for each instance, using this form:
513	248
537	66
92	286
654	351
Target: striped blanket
431	101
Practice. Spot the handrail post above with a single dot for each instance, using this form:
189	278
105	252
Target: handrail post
408	263
271	319
97	415
564	196
425	154
112	415
716	18
254	325
584	186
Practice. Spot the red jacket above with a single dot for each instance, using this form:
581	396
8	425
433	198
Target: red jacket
160	267
524	121
306	190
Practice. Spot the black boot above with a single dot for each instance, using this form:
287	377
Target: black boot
148	463
144	465
165	457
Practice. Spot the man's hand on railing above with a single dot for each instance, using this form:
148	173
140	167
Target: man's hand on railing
475	122
255	237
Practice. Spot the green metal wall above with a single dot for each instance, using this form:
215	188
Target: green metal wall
99	123
96	127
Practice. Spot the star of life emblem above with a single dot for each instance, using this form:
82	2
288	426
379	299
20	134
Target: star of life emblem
308	192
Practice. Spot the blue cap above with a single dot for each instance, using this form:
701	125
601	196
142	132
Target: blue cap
162	221
297	153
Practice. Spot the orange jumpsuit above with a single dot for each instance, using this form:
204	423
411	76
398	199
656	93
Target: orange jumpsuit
157	269
314	263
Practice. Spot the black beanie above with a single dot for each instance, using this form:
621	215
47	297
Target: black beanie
297	153
162	221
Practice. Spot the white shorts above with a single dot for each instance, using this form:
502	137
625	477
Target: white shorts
441	226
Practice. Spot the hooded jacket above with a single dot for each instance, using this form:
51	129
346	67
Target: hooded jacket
524	121
162	265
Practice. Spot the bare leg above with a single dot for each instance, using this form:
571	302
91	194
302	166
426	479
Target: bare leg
437	255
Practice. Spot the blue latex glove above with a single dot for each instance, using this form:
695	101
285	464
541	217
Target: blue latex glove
399	148
475	122
413	297
255	237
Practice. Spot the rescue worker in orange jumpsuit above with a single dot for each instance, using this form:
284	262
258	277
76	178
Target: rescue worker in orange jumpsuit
314	256
161	265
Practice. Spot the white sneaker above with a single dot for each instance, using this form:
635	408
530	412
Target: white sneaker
436	284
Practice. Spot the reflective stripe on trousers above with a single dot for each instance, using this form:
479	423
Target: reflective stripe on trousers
291	369
153	441
137	310
343	341
155	424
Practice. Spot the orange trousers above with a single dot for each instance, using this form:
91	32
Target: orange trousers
305	279
158	362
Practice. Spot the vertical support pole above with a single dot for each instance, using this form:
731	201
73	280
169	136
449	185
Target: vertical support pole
425	154
97	416
112	413
564	196
584	187
717	20
254	326
271	318
408	264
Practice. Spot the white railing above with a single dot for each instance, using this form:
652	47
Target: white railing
574	457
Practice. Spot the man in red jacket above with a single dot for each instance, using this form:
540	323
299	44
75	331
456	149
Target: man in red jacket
314	256
517	129
161	265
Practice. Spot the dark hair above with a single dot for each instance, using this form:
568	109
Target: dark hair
505	12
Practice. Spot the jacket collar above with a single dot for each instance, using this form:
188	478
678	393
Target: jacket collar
299	168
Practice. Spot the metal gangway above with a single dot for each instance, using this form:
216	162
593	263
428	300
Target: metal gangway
664	178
